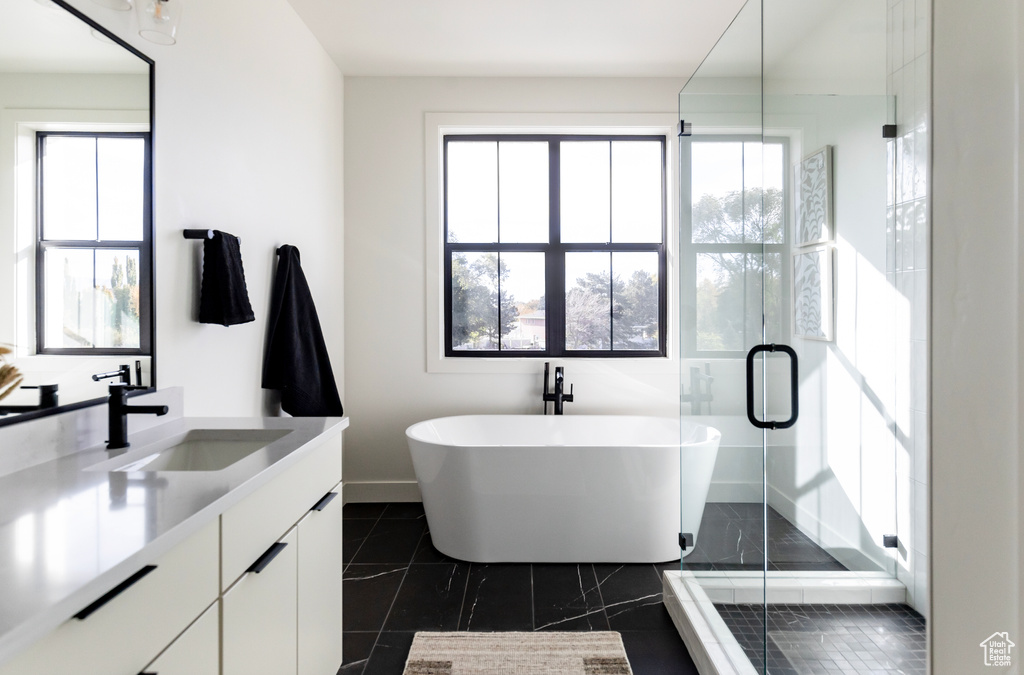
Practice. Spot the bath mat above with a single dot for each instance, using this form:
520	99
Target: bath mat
556	653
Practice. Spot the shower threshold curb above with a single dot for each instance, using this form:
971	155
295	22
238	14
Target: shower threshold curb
690	599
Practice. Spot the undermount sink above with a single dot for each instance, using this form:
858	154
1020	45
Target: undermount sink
195	450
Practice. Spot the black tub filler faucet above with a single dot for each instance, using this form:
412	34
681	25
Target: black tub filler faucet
558	397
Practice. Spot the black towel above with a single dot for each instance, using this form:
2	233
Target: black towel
296	361
224	298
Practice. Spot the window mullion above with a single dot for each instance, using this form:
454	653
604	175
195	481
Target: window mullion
611	270
611	301
554	264
497	222
96	160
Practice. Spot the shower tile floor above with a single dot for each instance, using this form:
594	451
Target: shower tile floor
397	583
807	639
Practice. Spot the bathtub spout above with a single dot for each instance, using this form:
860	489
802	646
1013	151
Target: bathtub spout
558	397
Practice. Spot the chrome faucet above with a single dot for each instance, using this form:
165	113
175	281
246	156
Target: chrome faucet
123	373
558	397
118	411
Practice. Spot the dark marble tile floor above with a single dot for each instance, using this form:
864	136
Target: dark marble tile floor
397	583
732	536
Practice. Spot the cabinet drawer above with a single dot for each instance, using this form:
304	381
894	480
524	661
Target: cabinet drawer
319	589
259	616
250	527
124	634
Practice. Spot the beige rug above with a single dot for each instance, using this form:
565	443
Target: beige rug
543	653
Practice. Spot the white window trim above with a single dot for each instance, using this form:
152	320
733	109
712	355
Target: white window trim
18	127
436	125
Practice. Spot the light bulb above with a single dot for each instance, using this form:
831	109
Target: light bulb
155	9
158	20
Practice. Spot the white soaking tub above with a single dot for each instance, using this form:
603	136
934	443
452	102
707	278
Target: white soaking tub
562	488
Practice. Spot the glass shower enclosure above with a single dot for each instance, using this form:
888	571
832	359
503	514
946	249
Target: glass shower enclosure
791	323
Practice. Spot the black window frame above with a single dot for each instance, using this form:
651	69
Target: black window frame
690	250
144	247
555	250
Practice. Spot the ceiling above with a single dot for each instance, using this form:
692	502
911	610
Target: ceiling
521	38
39	37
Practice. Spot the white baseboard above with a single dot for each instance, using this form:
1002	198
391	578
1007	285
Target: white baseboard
382	491
409	491
847	552
735	492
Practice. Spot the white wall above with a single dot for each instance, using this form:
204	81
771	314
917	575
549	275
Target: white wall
834	479
248	139
976	329
388	386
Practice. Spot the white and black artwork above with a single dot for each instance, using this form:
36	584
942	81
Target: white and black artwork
812	293
814	198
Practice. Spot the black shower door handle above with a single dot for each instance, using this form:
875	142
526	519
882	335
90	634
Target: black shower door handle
794	387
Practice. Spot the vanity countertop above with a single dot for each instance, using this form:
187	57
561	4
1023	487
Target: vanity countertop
69	534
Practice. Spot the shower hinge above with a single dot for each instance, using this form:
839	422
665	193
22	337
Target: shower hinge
685	540
890	541
685	128
888	131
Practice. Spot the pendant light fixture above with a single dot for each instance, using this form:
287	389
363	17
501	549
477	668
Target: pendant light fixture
158	20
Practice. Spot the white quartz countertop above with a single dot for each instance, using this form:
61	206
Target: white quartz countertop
69	534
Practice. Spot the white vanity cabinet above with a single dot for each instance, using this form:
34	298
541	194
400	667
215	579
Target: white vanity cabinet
195	652
256	589
128	630
281	572
319	587
259	616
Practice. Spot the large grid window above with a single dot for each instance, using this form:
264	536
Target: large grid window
554	245
735	259
92	255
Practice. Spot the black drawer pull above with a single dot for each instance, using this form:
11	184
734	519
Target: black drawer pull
322	504
265	559
114	592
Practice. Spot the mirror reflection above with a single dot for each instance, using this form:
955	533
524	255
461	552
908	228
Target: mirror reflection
75	209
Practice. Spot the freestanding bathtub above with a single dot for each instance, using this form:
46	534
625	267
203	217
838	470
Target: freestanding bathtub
562	488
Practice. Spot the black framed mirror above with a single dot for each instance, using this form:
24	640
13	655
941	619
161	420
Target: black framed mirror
77	300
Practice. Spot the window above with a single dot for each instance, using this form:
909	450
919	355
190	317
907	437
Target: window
729	263
554	245
92	254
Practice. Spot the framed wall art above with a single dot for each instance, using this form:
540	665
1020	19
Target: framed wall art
814	198
812	293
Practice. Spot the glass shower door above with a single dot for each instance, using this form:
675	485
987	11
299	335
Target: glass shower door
725	293
789	321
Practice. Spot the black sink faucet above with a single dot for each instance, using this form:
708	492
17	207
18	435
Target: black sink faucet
118	411
558	397
47	399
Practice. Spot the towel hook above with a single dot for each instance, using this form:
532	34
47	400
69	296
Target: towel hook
198	234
